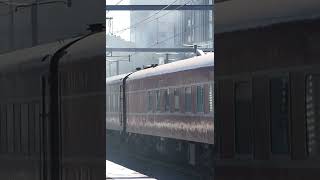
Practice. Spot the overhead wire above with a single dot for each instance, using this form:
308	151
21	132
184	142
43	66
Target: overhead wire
119	2
165	40
17	6
116	4
143	20
163	16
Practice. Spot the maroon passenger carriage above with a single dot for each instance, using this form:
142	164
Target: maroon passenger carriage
165	111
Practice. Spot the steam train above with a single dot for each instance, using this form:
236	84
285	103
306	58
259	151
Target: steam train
164	112
52	110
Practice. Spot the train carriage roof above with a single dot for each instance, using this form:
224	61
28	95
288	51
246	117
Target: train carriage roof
91	46
183	65
251	14
116	79
29	55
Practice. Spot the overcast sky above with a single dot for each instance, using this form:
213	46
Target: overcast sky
121	18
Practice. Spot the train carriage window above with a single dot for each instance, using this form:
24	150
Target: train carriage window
150	101
243	130
313	114
24	127
158	100
211	98
176	100
200	99
113	103
10	128
108	103
279	115
166	100
3	128
116	99
17	127
188	99
117	102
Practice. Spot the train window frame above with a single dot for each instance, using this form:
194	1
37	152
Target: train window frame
316	74
176	100
107	103
150	103
211	98
158	100
166	100
3	128
246	155
118	102
277	155
186	100
202	98
112	102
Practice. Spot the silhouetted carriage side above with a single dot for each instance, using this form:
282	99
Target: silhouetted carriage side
267	99
49	100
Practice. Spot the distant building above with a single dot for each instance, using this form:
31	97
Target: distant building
152	31
172	29
194	27
23	27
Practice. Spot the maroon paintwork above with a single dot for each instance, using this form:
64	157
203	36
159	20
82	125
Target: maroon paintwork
189	126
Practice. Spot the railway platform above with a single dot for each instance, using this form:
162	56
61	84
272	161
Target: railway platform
117	172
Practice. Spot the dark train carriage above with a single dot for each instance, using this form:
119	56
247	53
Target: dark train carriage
81	90
267	102
23	125
45	110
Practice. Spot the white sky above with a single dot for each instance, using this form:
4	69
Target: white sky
121	19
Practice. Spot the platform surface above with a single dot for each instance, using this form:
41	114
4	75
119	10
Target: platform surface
117	172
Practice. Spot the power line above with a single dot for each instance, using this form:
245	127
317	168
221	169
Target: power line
116	4
24	5
169	37
119	2
142	21
172	11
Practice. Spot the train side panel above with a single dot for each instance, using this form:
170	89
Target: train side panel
274	77
149	106
82	110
